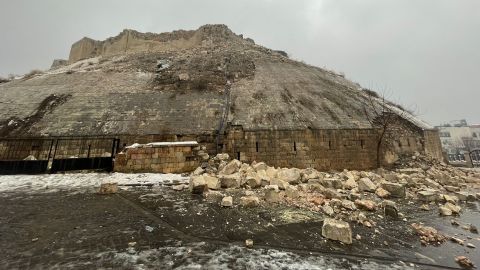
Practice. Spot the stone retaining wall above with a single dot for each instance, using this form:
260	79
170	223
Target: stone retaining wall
173	157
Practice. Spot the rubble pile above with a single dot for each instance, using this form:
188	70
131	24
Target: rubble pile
351	196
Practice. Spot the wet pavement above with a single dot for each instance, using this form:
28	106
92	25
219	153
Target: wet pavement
145	228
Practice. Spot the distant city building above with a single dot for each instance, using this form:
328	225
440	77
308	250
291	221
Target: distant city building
460	142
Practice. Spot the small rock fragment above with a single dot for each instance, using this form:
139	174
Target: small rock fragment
464	262
108	188
227	201
249	243
337	230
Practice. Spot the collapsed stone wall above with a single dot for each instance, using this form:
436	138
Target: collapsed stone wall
159	157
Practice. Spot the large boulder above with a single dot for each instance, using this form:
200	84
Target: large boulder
252	180
337	230
292	176
259	166
212	182
365	184
230	181
197	184
271	172
231	167
395	189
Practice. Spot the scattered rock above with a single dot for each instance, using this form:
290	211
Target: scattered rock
108	188
179	187
227	201
249	243
382	193
292	192
272	194
390	209
337	230
212	182
470	245
445	211
231	167
365	184
260	166
249	201
230	181
366	204
427	195
395	189
327	209
149	228
350	184
428	235
349	205
331	183
425	207
464	262
198	185
198	171
292	176
473	229
280	183
454	208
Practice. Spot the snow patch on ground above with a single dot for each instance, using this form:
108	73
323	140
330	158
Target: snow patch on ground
82	181
198	256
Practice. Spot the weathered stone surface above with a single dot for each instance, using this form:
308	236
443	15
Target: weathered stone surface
427	195
350	184
198	171
272	194
108	188
331	183
365	184
331	193
198	185
347	204
390	209
395	189
212	182
227	201
292	176
231	167
249	201
337	230
271	172
249	243
366	204
327	209
382	193
454	208
260	166
230	181
444	211
280	183
292	192
179	187
449	198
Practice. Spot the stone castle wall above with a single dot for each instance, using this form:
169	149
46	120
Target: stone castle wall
159	157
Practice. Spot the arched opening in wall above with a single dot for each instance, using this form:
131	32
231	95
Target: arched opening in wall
399	144
294	146
362	144
256	146
330	145
408	142
238	155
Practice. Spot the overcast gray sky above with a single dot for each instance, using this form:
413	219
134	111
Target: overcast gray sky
423	54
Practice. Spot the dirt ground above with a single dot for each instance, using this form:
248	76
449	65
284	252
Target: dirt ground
156	227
